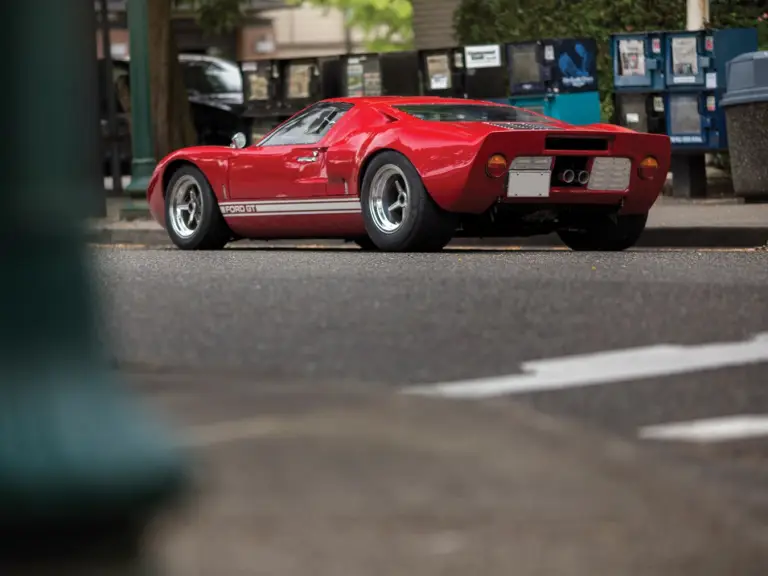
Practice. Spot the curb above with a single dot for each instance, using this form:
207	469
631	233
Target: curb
662	237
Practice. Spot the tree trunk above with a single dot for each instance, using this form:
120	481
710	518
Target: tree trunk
171	114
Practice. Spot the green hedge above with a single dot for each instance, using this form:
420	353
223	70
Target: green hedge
497	21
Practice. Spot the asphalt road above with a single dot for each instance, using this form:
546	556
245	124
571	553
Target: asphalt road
395	319
345	319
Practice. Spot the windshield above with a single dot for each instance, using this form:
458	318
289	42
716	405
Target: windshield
208	78
470	113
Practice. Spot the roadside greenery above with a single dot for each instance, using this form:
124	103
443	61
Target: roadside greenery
492	21
386	24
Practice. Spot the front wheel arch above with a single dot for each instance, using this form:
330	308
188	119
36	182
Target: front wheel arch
170	170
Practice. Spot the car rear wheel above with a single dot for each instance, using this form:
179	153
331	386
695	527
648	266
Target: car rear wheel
194	221
608	234
399	213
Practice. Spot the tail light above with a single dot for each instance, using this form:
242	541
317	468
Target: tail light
648	168
496	166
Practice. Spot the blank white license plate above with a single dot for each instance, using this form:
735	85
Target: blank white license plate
528	184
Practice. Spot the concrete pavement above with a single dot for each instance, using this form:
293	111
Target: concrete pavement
284	372
295	483
673	223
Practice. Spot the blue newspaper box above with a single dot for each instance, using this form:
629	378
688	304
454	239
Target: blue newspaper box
695	78
638	81
556	77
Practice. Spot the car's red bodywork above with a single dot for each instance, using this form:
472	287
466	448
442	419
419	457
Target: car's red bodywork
449	156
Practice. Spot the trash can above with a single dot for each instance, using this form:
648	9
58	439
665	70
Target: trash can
745	104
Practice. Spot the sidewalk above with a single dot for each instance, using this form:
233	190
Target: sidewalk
673	223
298	483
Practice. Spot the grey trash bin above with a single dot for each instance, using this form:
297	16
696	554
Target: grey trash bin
746	111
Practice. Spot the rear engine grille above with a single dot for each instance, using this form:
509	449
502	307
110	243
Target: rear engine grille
523	126
610	174
566	143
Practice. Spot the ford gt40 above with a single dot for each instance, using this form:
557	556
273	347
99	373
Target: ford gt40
412	173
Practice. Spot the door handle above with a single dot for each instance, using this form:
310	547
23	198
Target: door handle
312	158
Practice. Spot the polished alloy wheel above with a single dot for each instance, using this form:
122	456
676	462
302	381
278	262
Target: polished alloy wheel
389	200
186	206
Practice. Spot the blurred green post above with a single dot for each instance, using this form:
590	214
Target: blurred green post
143	162
83	467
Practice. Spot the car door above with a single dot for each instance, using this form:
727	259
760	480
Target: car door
290	163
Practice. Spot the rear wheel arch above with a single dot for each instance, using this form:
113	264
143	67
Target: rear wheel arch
367	162
422	224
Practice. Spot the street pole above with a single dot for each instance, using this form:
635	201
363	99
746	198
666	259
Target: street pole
697	14
83	468
143	162
689	171
109	91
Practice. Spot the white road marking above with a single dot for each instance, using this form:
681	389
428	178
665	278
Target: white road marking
725	429
606	368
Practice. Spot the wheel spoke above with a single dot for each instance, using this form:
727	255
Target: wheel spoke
389	198
186	207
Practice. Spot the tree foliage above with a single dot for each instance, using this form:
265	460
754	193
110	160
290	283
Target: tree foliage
497	21
386	24
219	16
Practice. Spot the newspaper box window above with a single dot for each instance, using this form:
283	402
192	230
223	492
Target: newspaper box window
299	81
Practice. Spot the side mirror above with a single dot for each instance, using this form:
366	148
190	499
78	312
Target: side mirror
238	141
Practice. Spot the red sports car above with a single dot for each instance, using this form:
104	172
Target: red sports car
411	173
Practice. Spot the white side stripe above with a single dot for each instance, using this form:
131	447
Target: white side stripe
606	368
290	207
284	201
291	213
308	206
724	429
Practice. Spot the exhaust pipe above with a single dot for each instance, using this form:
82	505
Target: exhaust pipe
583	177
568	176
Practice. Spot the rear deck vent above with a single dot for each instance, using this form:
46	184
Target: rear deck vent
573	143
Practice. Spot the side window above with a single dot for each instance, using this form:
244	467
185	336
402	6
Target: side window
308	128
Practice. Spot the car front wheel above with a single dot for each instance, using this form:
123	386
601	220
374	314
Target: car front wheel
608	234
399	213
193	218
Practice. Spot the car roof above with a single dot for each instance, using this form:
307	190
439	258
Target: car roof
377	101
187	57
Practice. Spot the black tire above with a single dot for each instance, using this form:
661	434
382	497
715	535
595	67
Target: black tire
608	234
365	243
425	228
210	231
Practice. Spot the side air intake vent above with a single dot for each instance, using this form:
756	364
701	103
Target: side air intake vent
566	143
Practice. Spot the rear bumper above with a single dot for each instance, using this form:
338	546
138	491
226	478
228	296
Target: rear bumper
625	152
